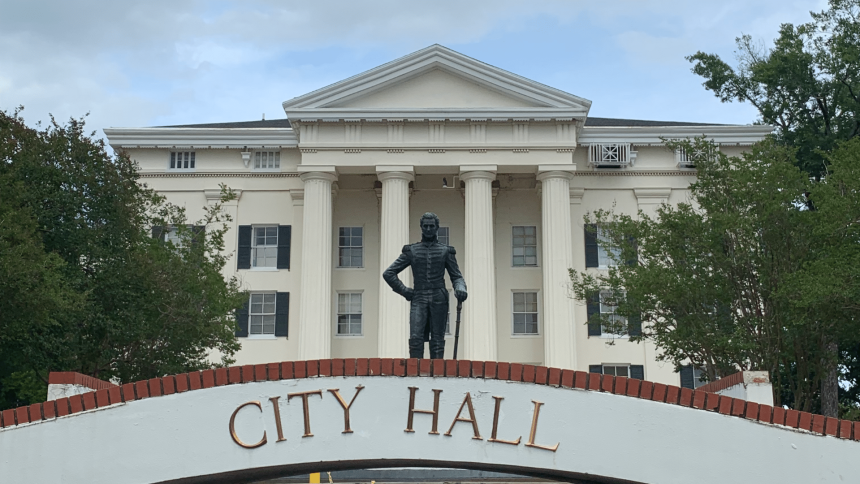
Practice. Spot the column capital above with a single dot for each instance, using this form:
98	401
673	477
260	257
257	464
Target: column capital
320	172
480	172
399	172
555	171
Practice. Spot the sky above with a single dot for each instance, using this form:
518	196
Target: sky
160	62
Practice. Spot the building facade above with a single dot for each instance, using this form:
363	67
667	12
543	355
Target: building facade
328	197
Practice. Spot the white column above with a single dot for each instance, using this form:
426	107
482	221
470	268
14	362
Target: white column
315	301
558	324
478	263
394	234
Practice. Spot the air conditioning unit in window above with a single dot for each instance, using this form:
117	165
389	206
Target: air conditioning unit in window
611	155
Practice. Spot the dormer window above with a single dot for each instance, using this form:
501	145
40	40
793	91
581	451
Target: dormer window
611	155
182	160
267	160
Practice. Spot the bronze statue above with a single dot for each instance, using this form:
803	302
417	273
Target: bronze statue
429	309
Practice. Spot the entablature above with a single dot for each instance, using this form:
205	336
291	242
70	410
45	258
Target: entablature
202	138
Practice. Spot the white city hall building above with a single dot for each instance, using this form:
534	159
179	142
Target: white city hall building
328	197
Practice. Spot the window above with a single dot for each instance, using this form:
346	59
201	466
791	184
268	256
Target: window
607	311
349	313
262	314
444	235
524	246
525	313
625	370
267	160
605	253
264	248
610	155
691	377
171	235
599	252
181	160
350	248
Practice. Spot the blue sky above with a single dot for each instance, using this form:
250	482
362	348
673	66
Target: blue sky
180	62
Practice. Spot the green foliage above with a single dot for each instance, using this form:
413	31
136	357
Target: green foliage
807	84
83	284
745	276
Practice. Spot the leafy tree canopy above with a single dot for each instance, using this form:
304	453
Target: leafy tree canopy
807	85
83	284
759	271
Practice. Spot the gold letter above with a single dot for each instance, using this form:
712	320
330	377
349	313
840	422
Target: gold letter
531	442
466	401
413	410
336	393
274	401
233	427
496	426
305	411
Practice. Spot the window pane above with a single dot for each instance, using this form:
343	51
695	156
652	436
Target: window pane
342	231
530	230
609	370
519	241
519	231
519	261
530	261
269	324
621	371
519	302
277	159
356	231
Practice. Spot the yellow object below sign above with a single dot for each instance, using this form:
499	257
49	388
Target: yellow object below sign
315	478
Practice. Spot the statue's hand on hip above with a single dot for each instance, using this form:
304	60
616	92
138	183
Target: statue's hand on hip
409	293
461	295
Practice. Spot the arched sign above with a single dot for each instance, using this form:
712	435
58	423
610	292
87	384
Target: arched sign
251	423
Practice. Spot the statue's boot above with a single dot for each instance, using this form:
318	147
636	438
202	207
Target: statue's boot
437	349
416	347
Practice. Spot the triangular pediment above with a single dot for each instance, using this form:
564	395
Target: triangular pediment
436	81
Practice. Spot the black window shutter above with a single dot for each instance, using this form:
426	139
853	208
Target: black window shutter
637	372
242	321
243	256
593	309
595	369
634	325
197	235
687	377
158	232
284	234
282	314
634	258
591	259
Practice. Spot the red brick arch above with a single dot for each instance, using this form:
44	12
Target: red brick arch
107	394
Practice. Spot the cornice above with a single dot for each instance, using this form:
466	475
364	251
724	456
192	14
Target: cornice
217	175
215	138
611	172
651	135
539	114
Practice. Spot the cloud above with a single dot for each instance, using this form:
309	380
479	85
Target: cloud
167	62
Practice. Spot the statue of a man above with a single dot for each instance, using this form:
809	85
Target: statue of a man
429	260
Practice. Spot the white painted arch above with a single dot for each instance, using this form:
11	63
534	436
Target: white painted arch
602	437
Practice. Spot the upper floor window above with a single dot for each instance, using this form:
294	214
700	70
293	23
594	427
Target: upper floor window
182	160
524	246
267	160
444	235
350	247
599	250
603	319
611	155
264	247
264	315
525	314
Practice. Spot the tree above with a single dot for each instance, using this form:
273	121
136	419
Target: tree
733	280
807	85
113	301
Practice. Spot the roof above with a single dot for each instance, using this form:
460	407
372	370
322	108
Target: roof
590	122
265	123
